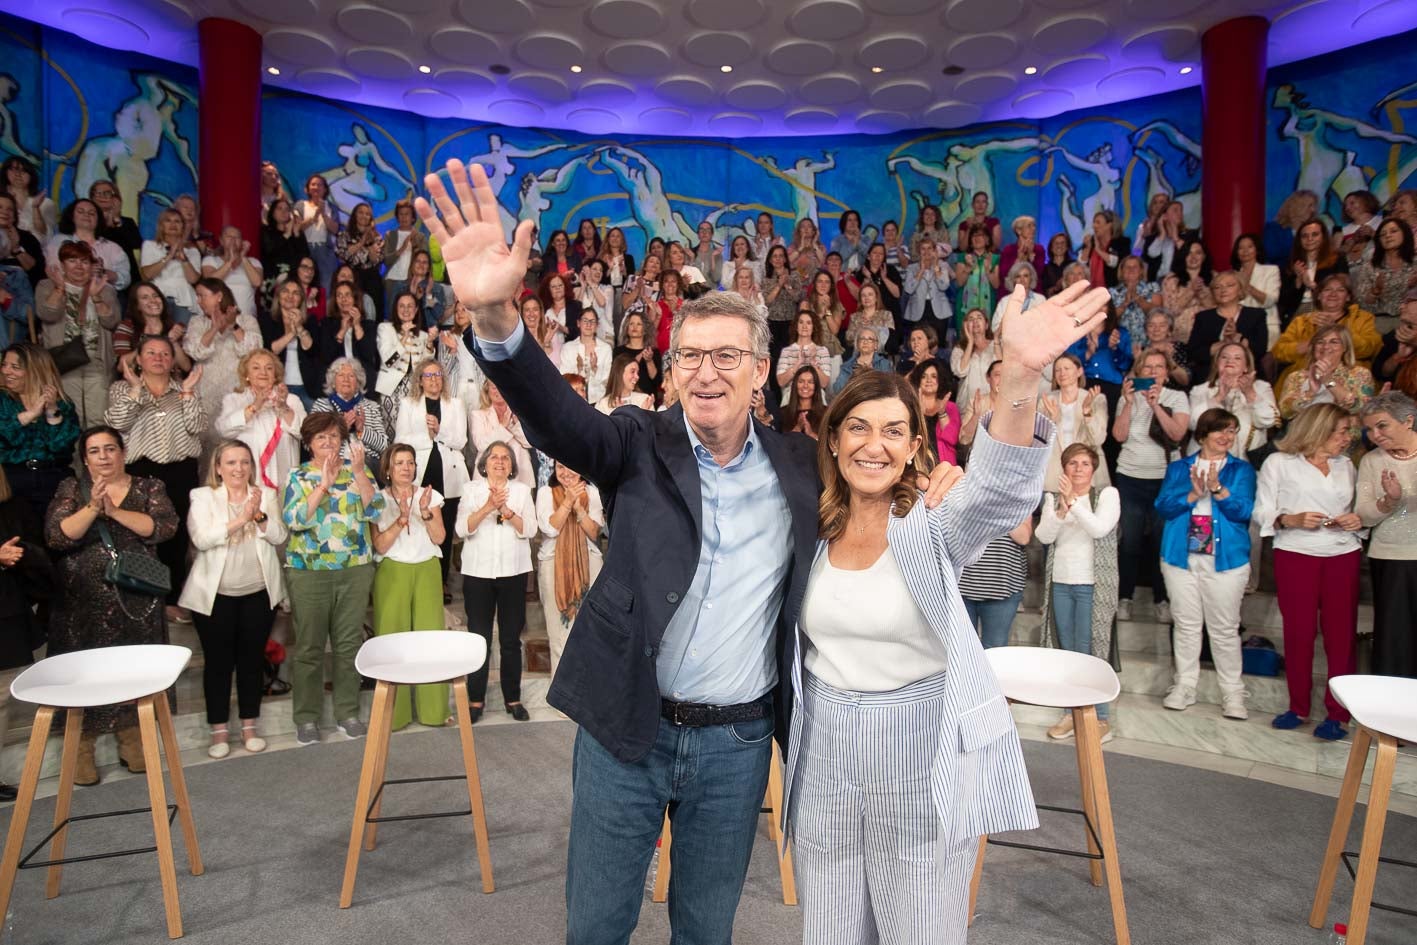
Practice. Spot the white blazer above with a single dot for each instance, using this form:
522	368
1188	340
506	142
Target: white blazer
411	427
207	520
977	780
396	358
257	432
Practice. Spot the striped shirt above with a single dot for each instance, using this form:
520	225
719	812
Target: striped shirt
1000	572
163	429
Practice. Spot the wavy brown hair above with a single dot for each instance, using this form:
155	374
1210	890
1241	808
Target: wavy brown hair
835	504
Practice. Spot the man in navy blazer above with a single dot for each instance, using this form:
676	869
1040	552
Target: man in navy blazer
676	669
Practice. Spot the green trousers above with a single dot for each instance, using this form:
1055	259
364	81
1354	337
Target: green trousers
410	597
327	606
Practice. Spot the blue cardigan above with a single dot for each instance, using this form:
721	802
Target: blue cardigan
1106	364
1230	517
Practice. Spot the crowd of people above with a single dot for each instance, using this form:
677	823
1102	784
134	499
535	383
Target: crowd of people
296	421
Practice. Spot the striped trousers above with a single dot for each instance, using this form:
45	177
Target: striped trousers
865	832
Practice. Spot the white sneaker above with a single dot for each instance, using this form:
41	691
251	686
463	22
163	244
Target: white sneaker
1124	609
1163	612
1178	697
1232	706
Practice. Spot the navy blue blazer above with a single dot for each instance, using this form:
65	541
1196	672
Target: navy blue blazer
648	477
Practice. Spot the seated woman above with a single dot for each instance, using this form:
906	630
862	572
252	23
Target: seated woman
1305	502
1333	376
1079	415
409	538
80	223
433	422
497	520
172	265
287	332
934	388
345	334
621	390
328	506
79	310
635	341
148	314
806	403
1060	257
234	587
1079	526
266	416
38	427
363	418
1205	503
1335	307
1228	321
217	340
363	300
565	570
403	341
132	513
1387	486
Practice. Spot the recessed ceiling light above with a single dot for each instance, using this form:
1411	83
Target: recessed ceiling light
1031	70
272	70
725	68
952	70
576	69
875	68
498	68
1187	70
425	69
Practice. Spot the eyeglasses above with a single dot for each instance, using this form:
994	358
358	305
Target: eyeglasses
724	359
431	374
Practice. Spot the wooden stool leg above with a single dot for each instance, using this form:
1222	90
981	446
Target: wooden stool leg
361	798
380	738
1367	875
783	856
24	803
1342	819
73	731
179	784
157	796
1106	831
1089	805
661	875
474	782
978	875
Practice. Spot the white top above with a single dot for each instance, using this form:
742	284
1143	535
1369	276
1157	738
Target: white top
495	550
258	432
237	281
291	359
1256	419
973	375
242	574
575	359
485	429
633	399
317	234
207	521
113	257
412	546
864	632
1290	484
1074	535
546	504
172	280
398	353
1141	456
1394	533
411	427
398	269
39	205
1265	278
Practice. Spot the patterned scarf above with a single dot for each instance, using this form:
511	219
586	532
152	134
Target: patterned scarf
571	564
345	406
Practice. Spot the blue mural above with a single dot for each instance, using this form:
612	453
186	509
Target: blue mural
1337	124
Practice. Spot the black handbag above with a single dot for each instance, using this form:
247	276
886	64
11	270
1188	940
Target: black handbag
70	356
134	573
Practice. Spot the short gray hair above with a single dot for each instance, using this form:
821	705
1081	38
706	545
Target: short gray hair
481	464
1394	403
1018	269
861	330
1165	313
334	369
724	304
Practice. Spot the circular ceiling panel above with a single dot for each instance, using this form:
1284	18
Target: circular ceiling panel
626	19
1043	103
594	120
835	88
462	45
1078	71
1172	43
670	119
982	16
106	29
503	16
801	57
303	46
756	95
827	19
290	12
549	51
606	92
1069	34
882	122
908	94
986	87
377	62
734	124
951	114
637	58
514	111
434	103
1170	10
726	14
895	53
335	83
1132	83
539	87
810	120
686	90
718	49
901	7
412	6
466	82
984	51
369	24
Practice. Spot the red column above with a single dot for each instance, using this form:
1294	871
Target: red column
1233	132
229	108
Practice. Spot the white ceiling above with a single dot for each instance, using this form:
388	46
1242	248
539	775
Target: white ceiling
654	66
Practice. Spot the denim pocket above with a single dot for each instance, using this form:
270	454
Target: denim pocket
755	732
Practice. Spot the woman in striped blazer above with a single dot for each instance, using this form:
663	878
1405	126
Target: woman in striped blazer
896	766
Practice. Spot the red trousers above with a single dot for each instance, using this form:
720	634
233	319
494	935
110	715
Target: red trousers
1317	593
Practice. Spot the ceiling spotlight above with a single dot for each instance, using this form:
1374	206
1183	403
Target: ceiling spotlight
876	69
952	70
1187	70
498	68
725	68
425	69
272	70
1031	70
576	69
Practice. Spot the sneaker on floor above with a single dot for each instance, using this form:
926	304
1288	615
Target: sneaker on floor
1163	612
1104	728
1179	697
1287	721
352	728
307	733
1233	706
1329	730
1124	609
1063	729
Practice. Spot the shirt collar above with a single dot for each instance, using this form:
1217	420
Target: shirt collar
750	447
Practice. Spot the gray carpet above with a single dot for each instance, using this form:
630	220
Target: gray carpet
1206	858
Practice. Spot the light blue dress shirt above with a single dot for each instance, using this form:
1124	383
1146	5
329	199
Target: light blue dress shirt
719	646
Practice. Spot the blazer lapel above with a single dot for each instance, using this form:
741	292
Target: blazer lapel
671	441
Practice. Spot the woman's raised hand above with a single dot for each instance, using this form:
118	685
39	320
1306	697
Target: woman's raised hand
484	271
1053	325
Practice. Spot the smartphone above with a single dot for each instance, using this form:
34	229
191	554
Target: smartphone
1143	383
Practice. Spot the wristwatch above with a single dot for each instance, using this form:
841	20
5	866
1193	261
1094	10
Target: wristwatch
260	518
427	516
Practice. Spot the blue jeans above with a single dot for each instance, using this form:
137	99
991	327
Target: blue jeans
711	780
299	391
993	618
1072	613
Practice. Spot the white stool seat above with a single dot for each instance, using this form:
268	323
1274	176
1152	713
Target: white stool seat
421	656
1386	704
1048	677
102	676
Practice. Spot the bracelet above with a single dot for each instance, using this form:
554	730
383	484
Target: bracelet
1020	404
427	516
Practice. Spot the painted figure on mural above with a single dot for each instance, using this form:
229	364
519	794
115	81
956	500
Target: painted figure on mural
1325	166
966	171
649	204
9	128
1157	182
1393	174
803	177
537	188
355	181
1158	179
140	127
497	160
1077	217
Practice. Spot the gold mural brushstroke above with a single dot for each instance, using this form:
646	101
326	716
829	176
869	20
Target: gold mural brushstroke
73	152
773	171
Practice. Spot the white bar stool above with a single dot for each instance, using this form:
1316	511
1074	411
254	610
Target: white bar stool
410	659
1383	708
1078	682
74	682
